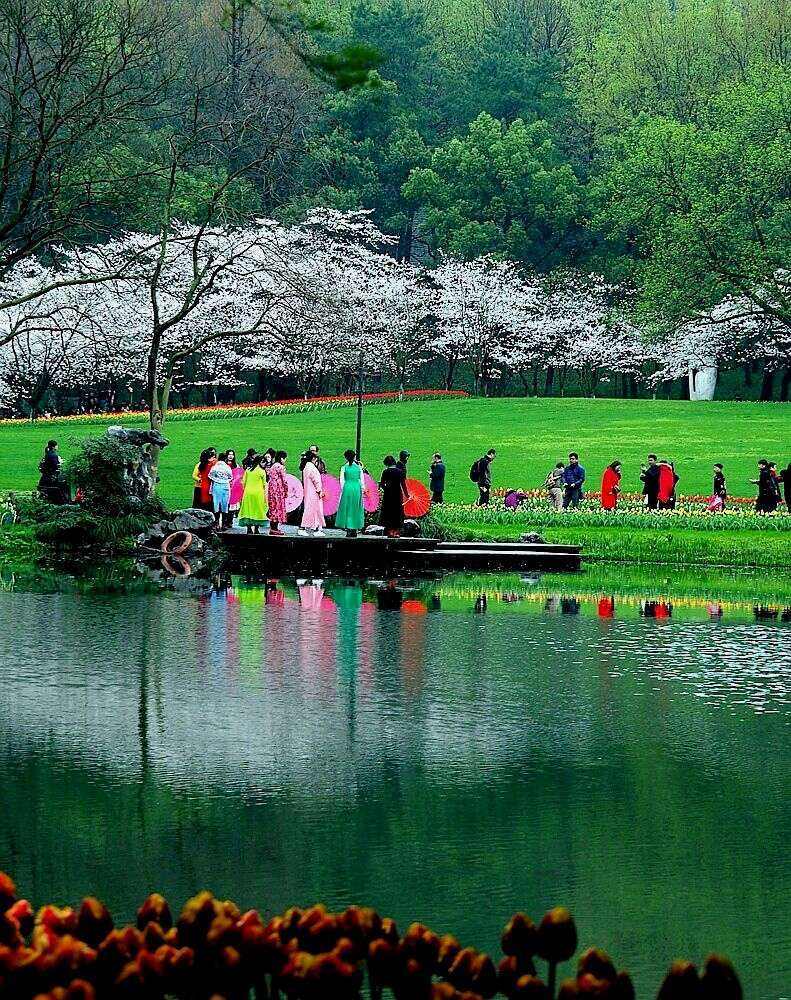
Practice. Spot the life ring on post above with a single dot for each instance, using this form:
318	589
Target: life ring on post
177	543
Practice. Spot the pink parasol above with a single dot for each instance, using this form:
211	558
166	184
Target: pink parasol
295	492
419	499
370	494
332	494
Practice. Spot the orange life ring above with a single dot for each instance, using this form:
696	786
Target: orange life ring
176	566
177	543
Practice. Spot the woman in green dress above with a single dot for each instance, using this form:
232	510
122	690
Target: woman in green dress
252	512
351	515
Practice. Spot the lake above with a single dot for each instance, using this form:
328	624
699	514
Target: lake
446	751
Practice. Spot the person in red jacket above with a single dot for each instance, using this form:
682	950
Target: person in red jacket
611	486
667	485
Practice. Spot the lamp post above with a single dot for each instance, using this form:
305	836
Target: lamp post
359	405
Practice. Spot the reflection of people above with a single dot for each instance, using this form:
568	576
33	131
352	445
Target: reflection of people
437	478
351	515
650	478
611	486
52	486
313	513
392	483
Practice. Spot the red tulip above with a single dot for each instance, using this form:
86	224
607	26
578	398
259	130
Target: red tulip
7	892
530	988
681	983
719	980
520	936
557	935
155	909
94	922
22	913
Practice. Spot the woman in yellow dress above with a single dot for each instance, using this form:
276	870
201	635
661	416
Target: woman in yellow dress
252	513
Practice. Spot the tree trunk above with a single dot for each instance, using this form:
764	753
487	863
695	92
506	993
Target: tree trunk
549	382
450	372
767	386
785	385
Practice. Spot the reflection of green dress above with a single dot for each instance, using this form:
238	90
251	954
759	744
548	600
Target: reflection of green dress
351	515
254	497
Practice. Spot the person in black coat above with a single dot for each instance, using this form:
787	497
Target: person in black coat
767	499
437	478
393	486
650	478
52	486
785	479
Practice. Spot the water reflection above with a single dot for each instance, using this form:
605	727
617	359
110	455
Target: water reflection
414	744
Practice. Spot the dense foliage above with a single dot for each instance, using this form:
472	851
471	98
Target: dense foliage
646	143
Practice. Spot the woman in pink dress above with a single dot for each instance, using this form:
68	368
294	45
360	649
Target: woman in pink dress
237	487
313	515
277	490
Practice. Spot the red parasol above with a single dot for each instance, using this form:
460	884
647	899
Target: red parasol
332	494
370	494
419	499
295	493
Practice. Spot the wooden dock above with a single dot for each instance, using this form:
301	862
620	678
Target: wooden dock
335	553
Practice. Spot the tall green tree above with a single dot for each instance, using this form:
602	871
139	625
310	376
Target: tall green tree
500	189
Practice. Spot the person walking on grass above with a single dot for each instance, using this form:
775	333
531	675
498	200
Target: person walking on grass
436	478
393	486
785	479
650	476
252	512
351	514
573	480
277	491
719	490
481	473
611	486
313	512
553	484
667	485
766	501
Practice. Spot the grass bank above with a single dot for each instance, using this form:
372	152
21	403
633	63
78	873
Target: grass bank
529	434
743	540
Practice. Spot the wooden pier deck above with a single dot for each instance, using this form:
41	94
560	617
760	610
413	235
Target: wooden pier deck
334	552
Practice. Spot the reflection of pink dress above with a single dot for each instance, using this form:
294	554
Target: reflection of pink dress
276	493
313	516
237	489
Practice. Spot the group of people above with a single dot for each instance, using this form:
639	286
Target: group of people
659	484
255	491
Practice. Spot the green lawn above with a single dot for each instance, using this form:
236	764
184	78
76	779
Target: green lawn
529	434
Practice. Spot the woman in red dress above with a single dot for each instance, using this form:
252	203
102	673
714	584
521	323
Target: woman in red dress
667	485
611	486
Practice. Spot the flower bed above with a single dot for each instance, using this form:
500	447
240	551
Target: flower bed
273	408
215	950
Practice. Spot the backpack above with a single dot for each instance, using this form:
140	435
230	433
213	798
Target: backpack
475	471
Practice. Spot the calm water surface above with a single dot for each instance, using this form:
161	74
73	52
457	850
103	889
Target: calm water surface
289	743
